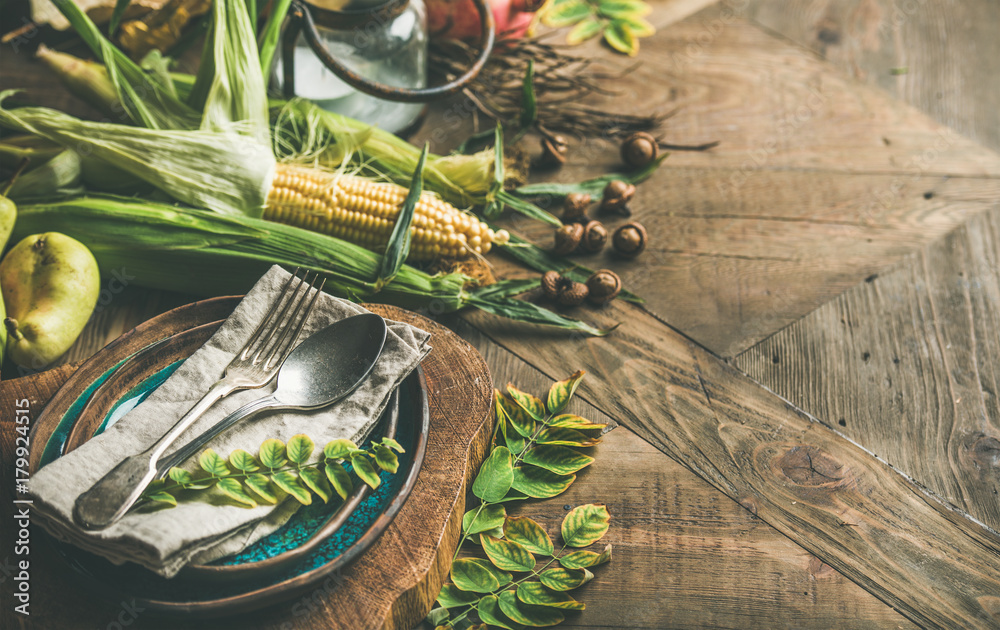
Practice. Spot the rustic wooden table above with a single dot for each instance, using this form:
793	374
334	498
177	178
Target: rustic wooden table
808	424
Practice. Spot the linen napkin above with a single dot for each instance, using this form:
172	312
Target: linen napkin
165	540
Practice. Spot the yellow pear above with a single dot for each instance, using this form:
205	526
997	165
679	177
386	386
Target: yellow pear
50	284
8	214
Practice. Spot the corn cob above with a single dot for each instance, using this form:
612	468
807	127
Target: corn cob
364	212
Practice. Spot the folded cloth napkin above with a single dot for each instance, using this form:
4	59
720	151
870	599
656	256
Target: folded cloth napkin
166	540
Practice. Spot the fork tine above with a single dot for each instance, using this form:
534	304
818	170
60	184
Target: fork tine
273	318
286	318
277	358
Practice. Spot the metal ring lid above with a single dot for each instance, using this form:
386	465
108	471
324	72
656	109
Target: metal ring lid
342	15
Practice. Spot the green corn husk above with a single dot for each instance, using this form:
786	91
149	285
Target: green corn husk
207	253
57	176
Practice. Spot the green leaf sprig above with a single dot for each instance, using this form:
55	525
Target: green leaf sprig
620	22
535	454
280	468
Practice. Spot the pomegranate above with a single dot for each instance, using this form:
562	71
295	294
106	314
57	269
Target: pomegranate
458	19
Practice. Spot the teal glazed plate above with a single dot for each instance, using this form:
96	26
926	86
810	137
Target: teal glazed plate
318	540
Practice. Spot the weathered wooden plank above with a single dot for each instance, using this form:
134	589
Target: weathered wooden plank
827	494
912	353
942	57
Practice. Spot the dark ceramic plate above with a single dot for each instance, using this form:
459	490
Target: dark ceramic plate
317	541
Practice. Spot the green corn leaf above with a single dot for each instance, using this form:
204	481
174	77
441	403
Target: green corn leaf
585	525
540	483
272	454
532	404
489	611
525	614
527	208
523	421
116	16
565	437
399	242
562	391
234	490
583	559
363	467
339	479
561	460
494	207
393	444
507	555
532	313
452	597
316	482
529	105
287	481
495	476
528	534
262	487
272	32
487	518
569	421
211	463
162	497
503	577
565	579
386	459
619	36
619	8
584	30
593	187
180	475
470	576
340	449
508	288
244	461
299	448
537	594
566	13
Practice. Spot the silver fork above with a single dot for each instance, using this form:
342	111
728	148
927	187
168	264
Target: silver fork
255	365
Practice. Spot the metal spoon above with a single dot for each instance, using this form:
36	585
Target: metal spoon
322	370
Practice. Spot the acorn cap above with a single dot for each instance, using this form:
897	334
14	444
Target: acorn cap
567	238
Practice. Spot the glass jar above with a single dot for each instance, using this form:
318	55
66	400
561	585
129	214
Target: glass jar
390	50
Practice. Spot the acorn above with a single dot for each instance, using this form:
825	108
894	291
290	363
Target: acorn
604	286
629	240
554	151
567	238
640	149
617	194
572	294
595	236
575	207
550	284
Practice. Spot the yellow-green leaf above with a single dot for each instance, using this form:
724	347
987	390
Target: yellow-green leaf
569	421
162	497
511	437
640	26
561	460
339	479
525	614
537	594
180	475
565	579
211	463
619	36
495	476
234	490
340	449
502	577
566	13
386	459
562	391
316	482
483	519
299	448
583	559
272	453
262	487
489	611
470	576
288	482
366	471
244	461
584	30
585	525
393	444
507	555
528	534
621	8
540	483
532	404
452	597
565	437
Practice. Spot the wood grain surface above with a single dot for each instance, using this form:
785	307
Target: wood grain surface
394	584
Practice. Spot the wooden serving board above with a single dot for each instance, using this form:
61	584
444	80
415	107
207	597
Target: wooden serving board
392	586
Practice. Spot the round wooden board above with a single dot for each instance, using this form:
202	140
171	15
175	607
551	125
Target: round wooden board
395	582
